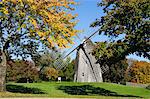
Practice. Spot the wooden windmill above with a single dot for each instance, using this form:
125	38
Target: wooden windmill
86	69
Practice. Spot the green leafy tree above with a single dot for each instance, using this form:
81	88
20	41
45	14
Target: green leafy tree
27	24
47	59
55	60
68	71
116	71
127	24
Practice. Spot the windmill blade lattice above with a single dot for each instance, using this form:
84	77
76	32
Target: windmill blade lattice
62	62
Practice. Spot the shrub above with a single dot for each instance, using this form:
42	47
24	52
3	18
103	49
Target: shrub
21	71
49	73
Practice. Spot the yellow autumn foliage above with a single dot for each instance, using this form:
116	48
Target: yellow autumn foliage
50	19
140	72
50	73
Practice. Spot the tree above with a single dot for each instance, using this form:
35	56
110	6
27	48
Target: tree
116	71
127	23
68	71
139	72
49	73
27	24
47	61
51	58
21	70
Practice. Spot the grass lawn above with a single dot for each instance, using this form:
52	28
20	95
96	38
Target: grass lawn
74	90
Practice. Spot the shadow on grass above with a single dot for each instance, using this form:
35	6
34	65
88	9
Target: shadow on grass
90	90
22	89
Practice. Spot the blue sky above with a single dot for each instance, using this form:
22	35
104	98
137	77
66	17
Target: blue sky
88	11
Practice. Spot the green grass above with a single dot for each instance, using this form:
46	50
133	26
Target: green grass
75	90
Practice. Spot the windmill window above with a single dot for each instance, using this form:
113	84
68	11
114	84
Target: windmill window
82	74
86	62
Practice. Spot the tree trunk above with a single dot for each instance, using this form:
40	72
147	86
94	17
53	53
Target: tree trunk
2	71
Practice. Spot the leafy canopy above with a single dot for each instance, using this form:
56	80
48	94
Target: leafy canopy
127	24
17	70
116	67
24	21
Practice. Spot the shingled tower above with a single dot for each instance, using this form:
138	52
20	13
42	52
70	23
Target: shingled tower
86	69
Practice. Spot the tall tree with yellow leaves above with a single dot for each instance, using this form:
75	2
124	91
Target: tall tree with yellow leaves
25	24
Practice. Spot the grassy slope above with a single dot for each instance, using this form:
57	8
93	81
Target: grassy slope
51	90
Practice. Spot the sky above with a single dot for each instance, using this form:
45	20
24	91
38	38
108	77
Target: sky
88	12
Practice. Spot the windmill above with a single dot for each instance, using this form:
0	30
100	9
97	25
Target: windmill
86	69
